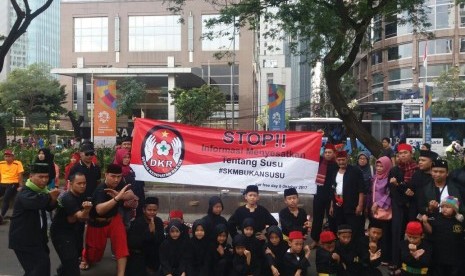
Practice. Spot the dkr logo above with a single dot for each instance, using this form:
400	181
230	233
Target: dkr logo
162	151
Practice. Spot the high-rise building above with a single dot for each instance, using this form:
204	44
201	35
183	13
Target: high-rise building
142	39
40	43
391	76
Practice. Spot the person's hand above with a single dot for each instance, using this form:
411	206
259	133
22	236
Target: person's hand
376	255
331	211
359	210
335	257
260	236
373	247
268	251
220	250
417	254
298	272
307	224
274	271
424	219
393	180
86	205
409	192
54	193
152	225
247	253
374	208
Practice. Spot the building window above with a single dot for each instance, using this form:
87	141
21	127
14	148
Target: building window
91	34
462	15
377	28
218	36
390	25
436	47
220	76
378	80
154	33
400	51
462	45
442	14
376	57
400	76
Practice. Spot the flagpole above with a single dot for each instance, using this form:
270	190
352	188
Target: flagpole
425	80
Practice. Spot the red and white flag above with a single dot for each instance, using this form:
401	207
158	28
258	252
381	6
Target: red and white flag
183	154
425	55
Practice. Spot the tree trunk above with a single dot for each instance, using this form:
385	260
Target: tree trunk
348	116
2	137
76	123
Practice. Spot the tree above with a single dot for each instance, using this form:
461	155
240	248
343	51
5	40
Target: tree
335	32
196	105
24	17
450	99
129	92
36	91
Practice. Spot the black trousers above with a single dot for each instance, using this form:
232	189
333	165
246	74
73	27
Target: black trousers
321	203
67	248
35	262
357	223
398	224
8	191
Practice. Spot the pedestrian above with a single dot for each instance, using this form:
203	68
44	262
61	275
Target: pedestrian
327	260
255	246
11	180
214	217
174	251
242	258
400	177
322	198
201	254
28	228
296	259
292	217
145	236
275	249
105	221
73	209
348	198
387	150
363	163
44	155
261	216
222	252
370	249
73	159
415	253
447	233
348	252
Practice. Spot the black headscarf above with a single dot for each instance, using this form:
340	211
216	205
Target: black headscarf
49	159
201	247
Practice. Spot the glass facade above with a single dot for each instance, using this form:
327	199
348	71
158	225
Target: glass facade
155	33
220	76
441	15
376	57
91	34
400	51
222	36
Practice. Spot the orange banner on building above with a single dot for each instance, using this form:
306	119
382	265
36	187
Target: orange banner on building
105	112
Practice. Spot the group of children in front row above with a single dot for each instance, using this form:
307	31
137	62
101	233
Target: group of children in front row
208	252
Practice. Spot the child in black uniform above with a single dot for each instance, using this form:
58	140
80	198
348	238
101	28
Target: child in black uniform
447	233
241	258
292	217
254	245
275	248
296	259
415	253
370	252
222	252
327	260
174	251
145	236
348	252
201	250
251	209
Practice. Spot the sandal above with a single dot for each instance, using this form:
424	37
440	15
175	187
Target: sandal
83	266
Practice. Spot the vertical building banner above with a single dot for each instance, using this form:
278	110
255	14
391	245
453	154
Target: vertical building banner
428	114
277	107
104	112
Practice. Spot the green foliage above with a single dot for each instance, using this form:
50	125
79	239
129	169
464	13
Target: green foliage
450	88
33	91
195	106
129	92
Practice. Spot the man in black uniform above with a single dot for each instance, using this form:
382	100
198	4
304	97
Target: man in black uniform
64	231
28	229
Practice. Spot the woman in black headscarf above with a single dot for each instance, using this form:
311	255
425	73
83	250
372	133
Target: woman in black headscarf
45	156
201	250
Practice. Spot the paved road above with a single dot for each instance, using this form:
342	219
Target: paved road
9	265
